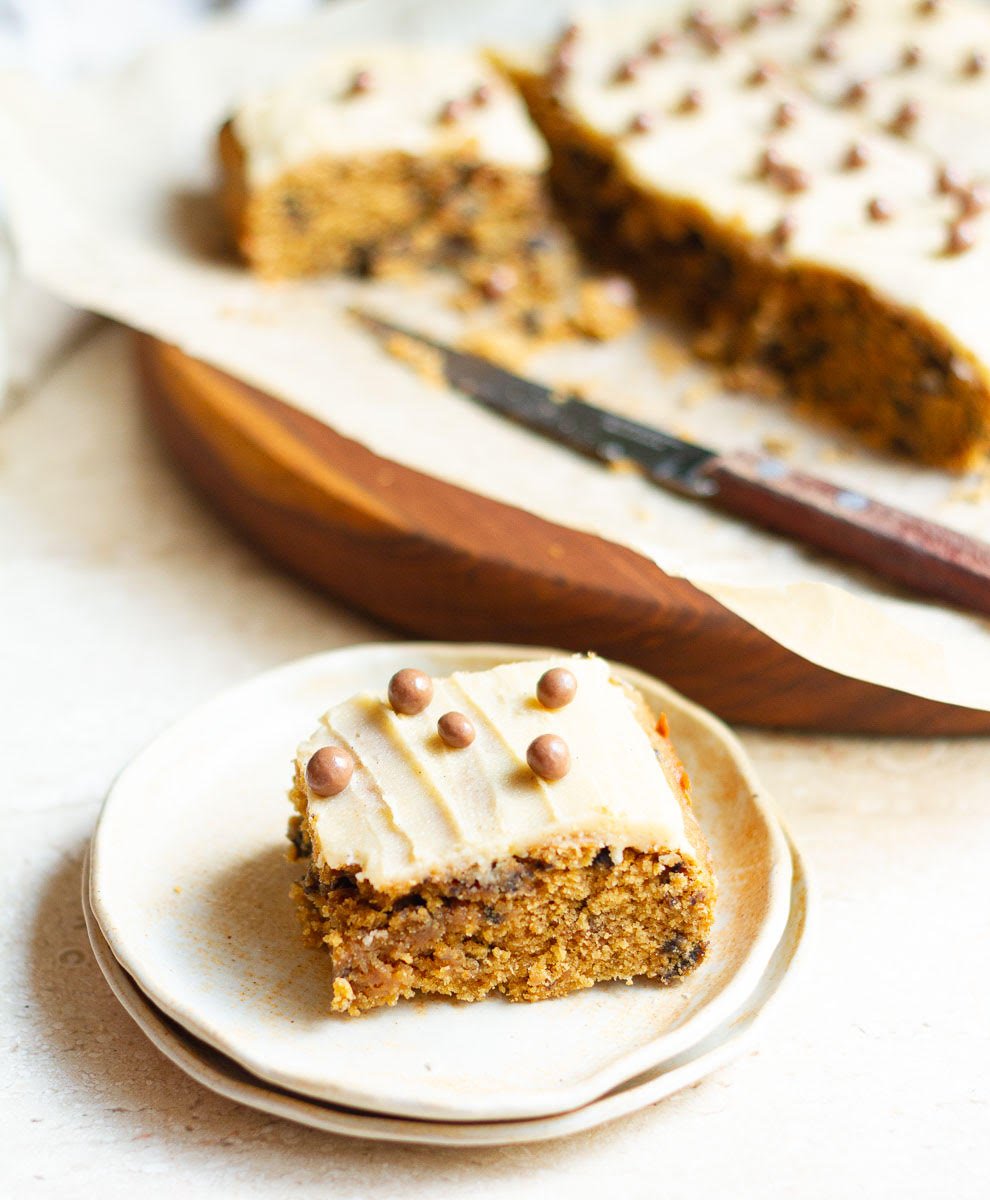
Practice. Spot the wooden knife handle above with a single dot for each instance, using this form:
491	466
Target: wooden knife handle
922	555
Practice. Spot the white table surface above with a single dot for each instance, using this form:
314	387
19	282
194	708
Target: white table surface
123	602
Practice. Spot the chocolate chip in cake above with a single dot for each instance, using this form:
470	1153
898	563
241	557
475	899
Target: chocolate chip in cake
974	64
855	94
548	757
482	95
962	237
911	57
641	122
361	83
658	46
456	730
825	50
452	111
329	770
762	73
785	115
556	688
857	156
691	101
499	281
410	691
783	232
879	209
906	118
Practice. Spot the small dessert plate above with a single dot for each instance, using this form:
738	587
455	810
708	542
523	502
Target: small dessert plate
190	887
223	1076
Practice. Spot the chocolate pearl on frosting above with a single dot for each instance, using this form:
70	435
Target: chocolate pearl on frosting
362	82
658	46
974	199
975	64
911	57
697	19
548	757
329	770
856	93
961	238
906	118
762	73
927	8
949	180
826	50
787	8
628	70
481	96
845	13
451	112
456	730
642	122
691	101
499	281
790	178
879	209
410	691
556	688
769	163
785	115
858	155
783	232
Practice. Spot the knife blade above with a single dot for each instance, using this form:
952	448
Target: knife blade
905	549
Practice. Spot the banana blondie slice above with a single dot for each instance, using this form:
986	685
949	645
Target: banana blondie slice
524	830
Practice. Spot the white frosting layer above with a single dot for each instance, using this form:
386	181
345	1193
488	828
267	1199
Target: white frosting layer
710	156
415	807
314	115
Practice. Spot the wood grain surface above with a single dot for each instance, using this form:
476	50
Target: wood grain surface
435	560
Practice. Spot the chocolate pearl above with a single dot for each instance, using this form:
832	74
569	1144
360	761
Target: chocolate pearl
456	730
697	19
846	13
906	118
410	691
362	82
713	39
329	770
556	688
770	162
753	18
500	281
481	96
785	115
961	238
548	757
974	199
879	209
787	8
783	232
658	46
642	122
856	156
792	179
691	101
928	8
911	57
827	50
949	180
856	93
451	112
975	64
628	70
762	73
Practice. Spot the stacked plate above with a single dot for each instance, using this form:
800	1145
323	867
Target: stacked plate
187	904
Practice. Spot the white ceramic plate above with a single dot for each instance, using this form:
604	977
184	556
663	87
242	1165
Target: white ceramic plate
222	1075
190	887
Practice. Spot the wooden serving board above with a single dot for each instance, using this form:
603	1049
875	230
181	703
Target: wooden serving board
438	561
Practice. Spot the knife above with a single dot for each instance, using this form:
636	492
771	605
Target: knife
922	555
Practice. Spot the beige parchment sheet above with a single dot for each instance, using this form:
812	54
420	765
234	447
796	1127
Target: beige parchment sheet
109	192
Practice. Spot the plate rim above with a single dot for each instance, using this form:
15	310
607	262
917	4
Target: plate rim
664	1081
498	1106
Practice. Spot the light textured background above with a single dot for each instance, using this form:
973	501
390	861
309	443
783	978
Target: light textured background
123	602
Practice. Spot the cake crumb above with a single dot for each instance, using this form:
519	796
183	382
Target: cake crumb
778	444
424	360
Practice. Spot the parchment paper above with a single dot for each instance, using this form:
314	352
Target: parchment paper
110	185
